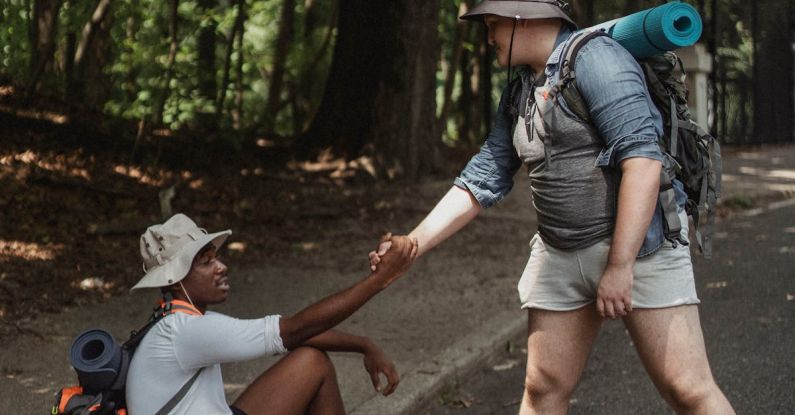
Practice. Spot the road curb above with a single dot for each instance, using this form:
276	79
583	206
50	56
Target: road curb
423	381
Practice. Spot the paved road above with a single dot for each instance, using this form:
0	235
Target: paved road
747	312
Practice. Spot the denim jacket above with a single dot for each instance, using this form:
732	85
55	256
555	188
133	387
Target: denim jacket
613	86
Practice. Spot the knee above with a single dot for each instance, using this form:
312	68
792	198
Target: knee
311	357
542	385
686	393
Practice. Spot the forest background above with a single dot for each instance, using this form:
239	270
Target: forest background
273	115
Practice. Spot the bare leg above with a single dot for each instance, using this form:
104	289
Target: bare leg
558	345
303	382
671	346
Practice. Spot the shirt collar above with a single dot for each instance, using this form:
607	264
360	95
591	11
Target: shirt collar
563	35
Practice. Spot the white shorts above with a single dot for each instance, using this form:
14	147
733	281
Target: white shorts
561	280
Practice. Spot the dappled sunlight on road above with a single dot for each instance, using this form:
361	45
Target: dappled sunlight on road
751	172
773	174
60	163
157	179
28	251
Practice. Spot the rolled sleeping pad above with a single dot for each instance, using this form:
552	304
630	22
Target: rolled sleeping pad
97	358
653	31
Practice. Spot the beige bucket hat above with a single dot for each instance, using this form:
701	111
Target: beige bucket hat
168	250
521	9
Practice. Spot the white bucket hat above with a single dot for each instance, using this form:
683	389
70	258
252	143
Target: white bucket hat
168	250
521	9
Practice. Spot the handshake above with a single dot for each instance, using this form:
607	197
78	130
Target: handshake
392	258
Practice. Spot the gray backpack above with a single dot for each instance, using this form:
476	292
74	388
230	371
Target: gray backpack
691	154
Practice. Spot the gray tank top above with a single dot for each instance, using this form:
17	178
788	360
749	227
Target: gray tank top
575	200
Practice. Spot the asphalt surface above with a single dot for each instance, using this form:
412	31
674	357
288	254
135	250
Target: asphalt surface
747	314
452	315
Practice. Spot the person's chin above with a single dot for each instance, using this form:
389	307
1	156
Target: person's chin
221	296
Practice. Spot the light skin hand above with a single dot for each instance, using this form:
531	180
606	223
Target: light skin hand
383	246
614	294
397	258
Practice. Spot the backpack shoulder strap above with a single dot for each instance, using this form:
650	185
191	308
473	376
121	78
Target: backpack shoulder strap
172	403
567	76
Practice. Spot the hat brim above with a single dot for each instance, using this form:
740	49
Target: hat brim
516	10
175	270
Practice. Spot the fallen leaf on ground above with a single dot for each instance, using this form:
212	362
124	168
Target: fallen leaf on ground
505	366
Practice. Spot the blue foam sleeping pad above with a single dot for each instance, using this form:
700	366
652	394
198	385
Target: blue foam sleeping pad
97	359
653	31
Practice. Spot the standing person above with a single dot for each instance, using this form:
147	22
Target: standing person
600	250
176	368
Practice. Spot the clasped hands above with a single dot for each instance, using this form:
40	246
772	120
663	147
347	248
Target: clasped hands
393	257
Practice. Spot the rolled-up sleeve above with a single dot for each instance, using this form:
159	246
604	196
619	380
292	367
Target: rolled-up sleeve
489	174
613	87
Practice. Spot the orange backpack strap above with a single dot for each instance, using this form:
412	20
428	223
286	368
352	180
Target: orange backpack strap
179	306
72	400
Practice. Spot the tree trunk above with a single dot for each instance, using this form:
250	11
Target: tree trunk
44	26
237	30
156	117
237	114
484	88
452	65
165	91
69	61
309	77
465	99
89	50
130	78
475	100
283	39
206	49
90	31
773	70
310	18
380	94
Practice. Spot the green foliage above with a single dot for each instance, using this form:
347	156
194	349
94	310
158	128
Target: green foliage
140	46
14	43
136	67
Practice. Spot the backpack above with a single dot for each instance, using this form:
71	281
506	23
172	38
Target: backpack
690	154
102	395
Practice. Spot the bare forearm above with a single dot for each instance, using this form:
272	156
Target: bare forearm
338	341
326	313
456	209
637	196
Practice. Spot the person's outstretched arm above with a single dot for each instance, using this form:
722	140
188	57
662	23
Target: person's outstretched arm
454	211
330	311
486	179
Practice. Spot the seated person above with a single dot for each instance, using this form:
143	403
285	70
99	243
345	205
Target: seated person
176	368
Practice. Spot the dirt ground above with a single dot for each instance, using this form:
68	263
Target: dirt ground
73	205
73	210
